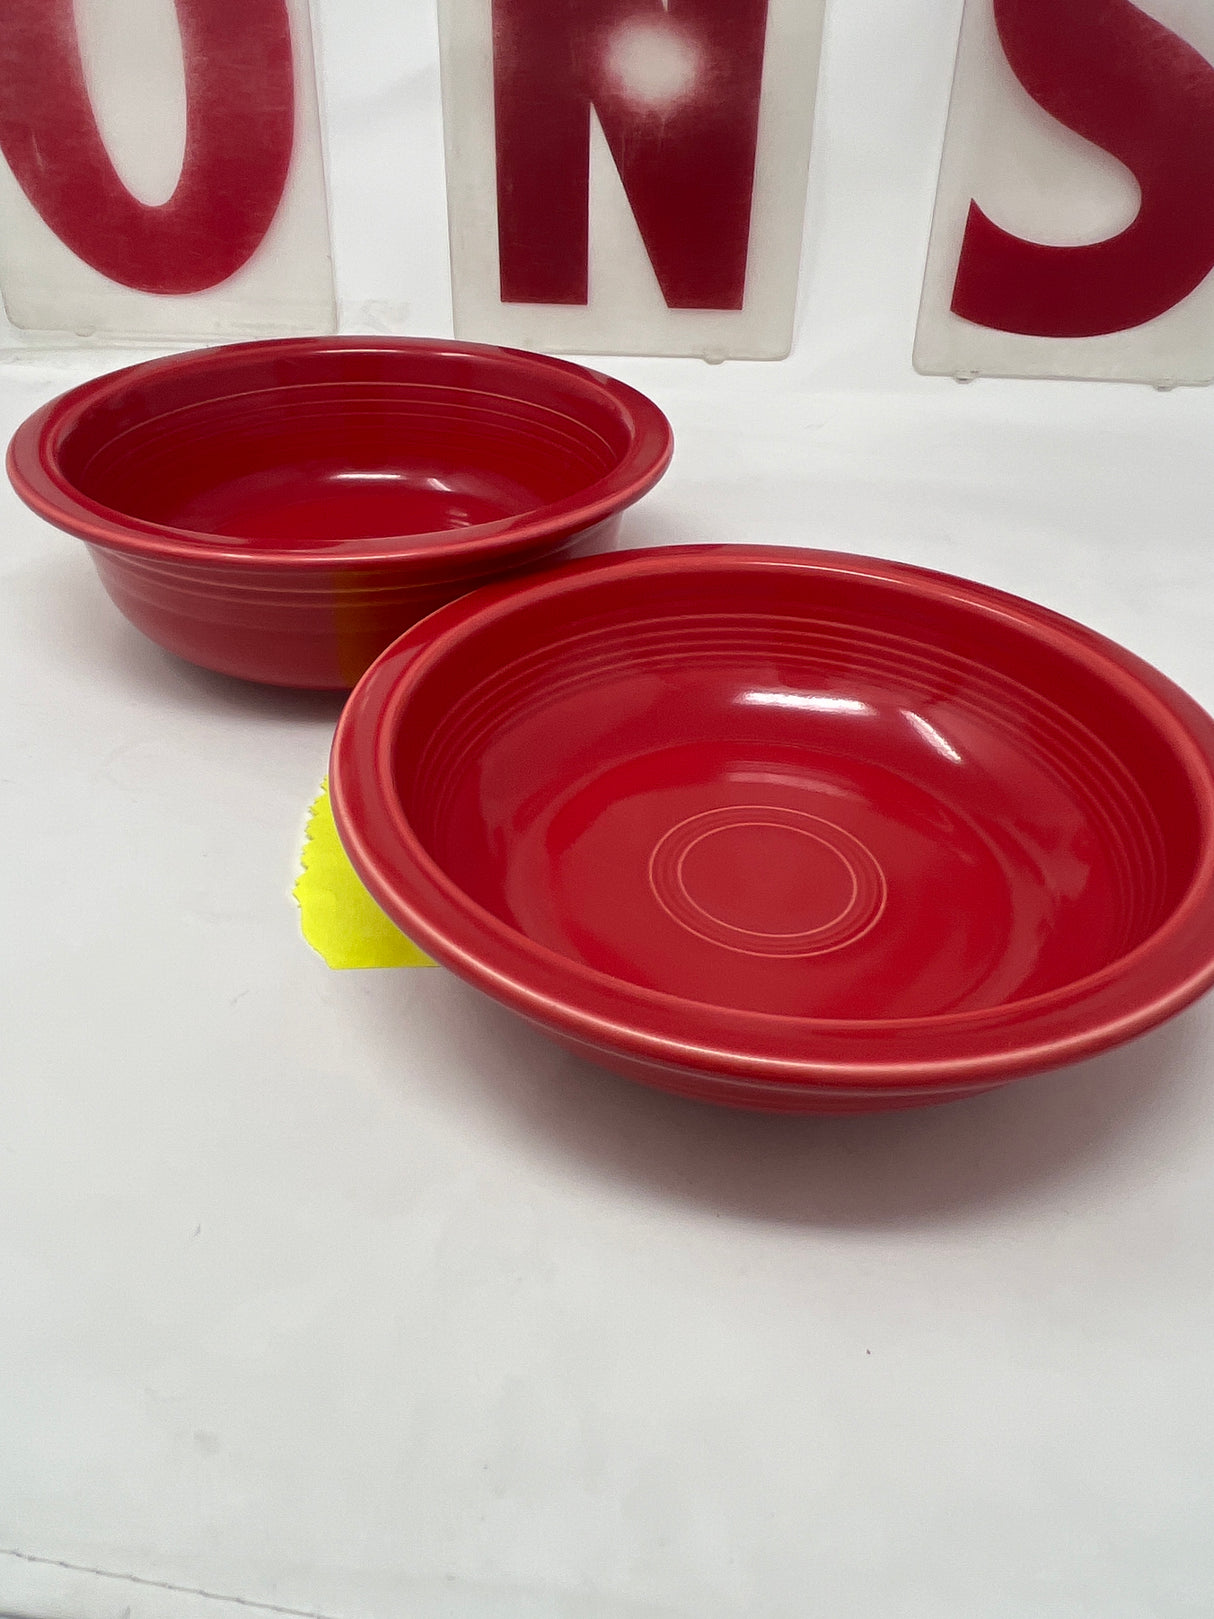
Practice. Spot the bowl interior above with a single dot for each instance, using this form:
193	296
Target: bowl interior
795	792
345	444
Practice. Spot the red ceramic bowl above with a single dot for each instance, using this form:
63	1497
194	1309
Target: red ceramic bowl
785	829
283	510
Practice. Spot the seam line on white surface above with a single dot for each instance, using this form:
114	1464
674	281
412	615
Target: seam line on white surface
161	1585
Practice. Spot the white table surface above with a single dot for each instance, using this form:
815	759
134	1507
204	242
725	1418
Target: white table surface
343	1293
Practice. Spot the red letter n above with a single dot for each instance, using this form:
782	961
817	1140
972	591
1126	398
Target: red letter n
676	89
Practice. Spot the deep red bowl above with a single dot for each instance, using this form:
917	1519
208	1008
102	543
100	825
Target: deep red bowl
785	829
283	510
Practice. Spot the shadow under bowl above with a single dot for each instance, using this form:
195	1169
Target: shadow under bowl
283	510
785	829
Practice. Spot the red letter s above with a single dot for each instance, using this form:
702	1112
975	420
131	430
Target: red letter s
1126	83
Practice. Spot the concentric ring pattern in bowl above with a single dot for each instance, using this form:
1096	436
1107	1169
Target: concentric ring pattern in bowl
283	510
788	830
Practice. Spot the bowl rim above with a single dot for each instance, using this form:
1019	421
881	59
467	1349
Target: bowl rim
34	465
730	1046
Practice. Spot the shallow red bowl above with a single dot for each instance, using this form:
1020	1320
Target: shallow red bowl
785	829
283	510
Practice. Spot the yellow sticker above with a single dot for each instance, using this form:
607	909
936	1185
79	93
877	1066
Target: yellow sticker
339	918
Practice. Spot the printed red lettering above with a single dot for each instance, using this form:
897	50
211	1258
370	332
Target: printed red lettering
240	93
1123	81
676	89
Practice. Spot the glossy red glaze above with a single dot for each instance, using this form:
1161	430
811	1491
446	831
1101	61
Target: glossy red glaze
788	830
283	510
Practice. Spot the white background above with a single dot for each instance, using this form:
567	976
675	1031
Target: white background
343	1293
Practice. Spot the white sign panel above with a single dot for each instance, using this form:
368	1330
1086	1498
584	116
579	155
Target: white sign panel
1074	225
161	172
628	176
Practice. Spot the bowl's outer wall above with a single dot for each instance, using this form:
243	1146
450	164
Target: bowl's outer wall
311	631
